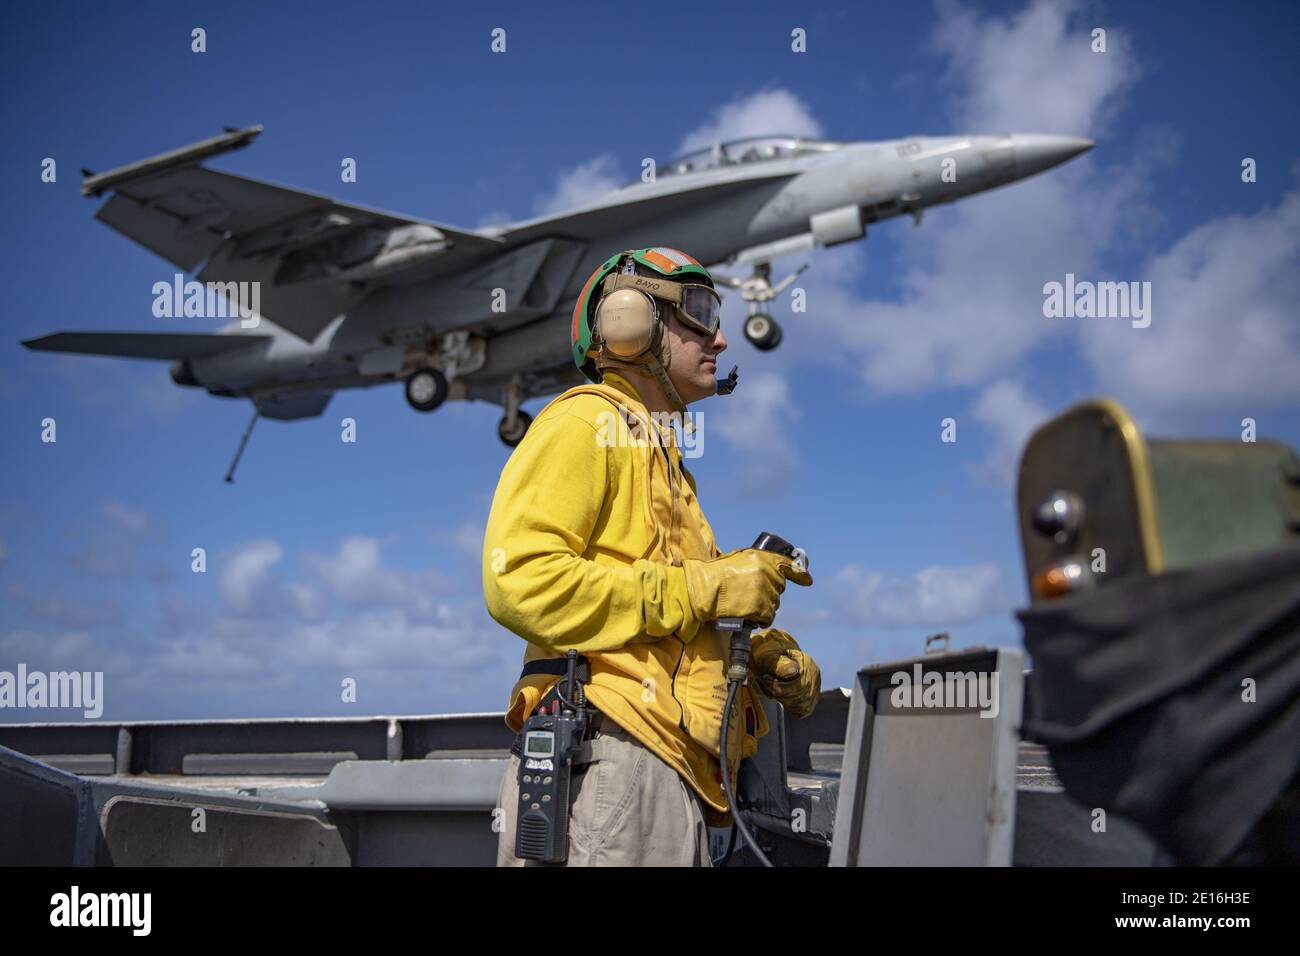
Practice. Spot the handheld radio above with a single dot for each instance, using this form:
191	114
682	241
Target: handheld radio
549	743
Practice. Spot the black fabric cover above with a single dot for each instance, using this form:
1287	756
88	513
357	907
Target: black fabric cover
1137	692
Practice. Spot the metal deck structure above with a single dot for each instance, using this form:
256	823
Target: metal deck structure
400	790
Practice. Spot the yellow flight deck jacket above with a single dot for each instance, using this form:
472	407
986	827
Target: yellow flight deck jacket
589	525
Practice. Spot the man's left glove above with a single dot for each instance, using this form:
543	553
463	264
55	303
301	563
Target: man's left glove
784	672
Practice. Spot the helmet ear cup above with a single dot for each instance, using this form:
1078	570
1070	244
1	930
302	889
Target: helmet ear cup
625	321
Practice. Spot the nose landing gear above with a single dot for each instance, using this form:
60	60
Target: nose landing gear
761	330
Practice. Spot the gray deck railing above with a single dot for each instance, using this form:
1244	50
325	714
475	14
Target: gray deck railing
312	745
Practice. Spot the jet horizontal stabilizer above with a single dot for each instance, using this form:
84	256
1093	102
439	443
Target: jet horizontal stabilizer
144	345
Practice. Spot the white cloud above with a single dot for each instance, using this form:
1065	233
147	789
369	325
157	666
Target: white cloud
57	607
935	596
160	398
113	550
1011	414
769	111
63	650
68	649
248	584
757	114
137	392
279	637
125	518
755	428
246	571
381	646
388	638
1033	71
282	635
493	218
210	659
581	186
1223	341
355	573
969	301
968	311
467	539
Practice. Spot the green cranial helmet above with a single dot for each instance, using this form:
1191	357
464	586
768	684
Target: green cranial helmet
690	290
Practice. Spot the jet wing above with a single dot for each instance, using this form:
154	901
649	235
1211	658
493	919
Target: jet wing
185	214
309	253
144	345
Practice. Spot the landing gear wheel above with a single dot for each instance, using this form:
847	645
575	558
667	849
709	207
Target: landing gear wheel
513	437
762	332
426	389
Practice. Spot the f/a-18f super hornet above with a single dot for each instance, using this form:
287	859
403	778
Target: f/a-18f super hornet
347	296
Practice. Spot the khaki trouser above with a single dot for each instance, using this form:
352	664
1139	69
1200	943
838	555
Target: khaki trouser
627	808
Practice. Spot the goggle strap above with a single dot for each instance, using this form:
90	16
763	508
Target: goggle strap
667	290
671	292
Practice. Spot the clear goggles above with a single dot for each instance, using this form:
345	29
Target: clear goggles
698	306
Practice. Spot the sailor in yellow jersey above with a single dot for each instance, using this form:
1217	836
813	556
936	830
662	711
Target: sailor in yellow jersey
596	543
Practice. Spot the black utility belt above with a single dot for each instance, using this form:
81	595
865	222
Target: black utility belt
551	703
558	666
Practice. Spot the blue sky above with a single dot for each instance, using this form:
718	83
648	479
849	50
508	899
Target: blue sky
329	560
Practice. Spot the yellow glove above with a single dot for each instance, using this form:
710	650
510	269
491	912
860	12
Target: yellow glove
743	583
785	673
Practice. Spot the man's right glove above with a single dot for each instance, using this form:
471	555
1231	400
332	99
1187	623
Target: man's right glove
745	583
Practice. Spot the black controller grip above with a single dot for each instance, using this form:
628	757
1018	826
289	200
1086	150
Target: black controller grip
767	541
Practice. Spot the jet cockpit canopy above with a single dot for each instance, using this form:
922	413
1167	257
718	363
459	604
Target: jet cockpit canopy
750	150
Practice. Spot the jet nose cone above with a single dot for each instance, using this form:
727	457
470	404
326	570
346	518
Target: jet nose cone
1036	152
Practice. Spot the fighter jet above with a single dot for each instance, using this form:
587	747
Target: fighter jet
344	296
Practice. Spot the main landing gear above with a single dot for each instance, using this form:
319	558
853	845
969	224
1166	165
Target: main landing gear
514	423
426	389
